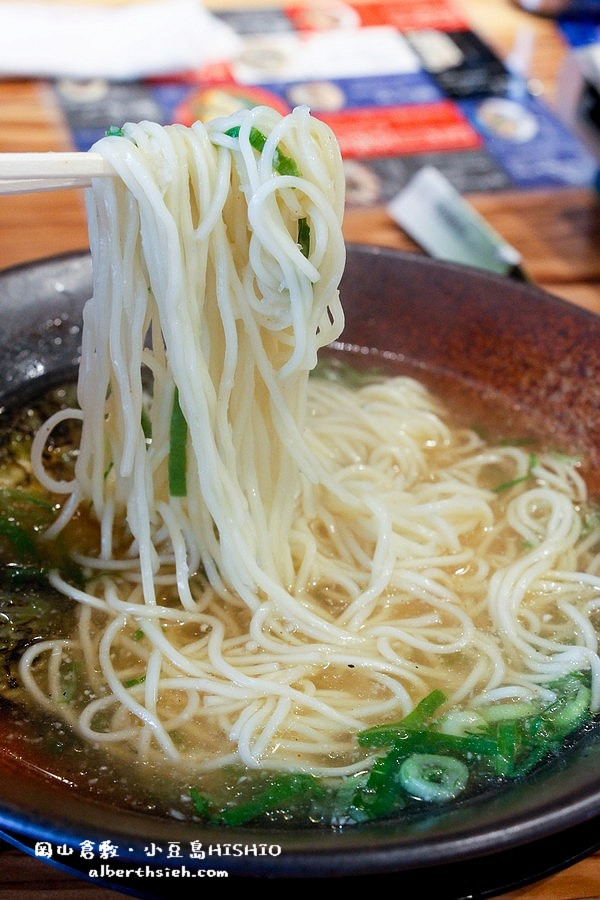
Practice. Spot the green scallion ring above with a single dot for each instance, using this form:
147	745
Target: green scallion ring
433	778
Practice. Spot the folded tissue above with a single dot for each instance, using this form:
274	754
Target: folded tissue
116	42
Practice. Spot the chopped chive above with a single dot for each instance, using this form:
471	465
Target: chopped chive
138	634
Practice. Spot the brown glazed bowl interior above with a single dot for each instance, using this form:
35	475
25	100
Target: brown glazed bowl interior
494	344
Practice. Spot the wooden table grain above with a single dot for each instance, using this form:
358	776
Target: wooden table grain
557	233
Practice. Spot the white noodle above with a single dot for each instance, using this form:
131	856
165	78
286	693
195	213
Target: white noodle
338	552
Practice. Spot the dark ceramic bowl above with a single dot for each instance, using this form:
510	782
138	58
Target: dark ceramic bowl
534	360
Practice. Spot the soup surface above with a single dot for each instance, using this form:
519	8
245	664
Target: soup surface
477	664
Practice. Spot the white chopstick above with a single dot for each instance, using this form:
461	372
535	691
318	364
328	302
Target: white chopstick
22	173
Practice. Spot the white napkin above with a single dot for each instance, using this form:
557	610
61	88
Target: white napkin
119	43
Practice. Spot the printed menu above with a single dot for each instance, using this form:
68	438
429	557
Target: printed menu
403	85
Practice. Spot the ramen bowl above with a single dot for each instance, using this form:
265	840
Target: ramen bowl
490	346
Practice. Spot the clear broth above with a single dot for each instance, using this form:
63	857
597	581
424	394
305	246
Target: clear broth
48	749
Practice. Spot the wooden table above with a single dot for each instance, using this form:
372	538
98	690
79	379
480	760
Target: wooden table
557	233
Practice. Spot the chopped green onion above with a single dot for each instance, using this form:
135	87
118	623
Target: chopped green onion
382	735
461	722
512	743
22	543
422	762
502	711
424	710
69	681
133	682
279	792
517	442
343	807
506	485
471	745
114	131
146	425
177	737
15	574
563	716
285	165
333	369
19	495
433	778
383	792
590	521
304	236
257	139
177	451
200	803
282	164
